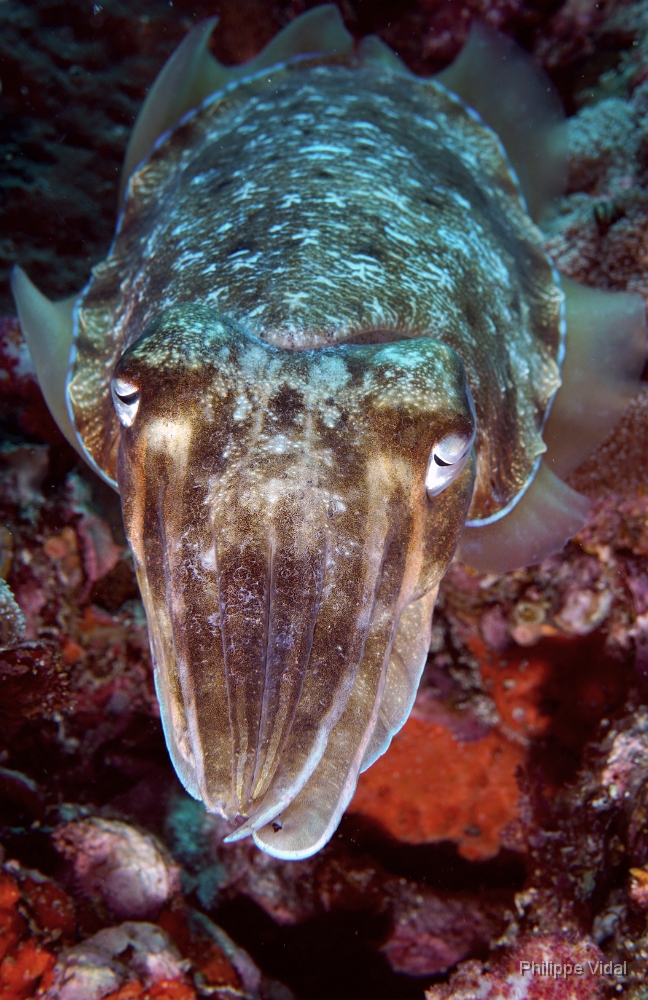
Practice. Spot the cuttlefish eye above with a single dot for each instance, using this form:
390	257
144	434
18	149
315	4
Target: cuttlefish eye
126	399
447	459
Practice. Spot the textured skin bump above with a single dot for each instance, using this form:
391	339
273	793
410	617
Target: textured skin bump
320	202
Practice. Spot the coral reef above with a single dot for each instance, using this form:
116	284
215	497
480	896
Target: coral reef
181	957
505	828
572	970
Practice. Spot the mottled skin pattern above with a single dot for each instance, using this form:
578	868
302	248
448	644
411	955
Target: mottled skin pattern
314	204
257	481
309	273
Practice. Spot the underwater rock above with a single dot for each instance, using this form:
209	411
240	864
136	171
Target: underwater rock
218	963
12	620
589	840
135	953
49	908
24	468
126	868
34	684
20	794
76	660
181	957
431	934
598	234
22	405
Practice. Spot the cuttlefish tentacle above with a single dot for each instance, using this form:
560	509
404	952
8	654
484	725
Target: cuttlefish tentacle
326	337
408	657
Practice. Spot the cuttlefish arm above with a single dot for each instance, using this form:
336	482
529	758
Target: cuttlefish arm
287	512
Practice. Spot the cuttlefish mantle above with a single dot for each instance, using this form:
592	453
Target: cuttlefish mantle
327	351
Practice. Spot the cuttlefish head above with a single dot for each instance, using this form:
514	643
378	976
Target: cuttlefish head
284	509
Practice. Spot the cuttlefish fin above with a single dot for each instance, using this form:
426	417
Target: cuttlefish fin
192	74
188	76
499	81
47	328
606	353
372	50
317	32
544	519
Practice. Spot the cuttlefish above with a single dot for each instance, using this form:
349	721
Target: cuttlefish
326	354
